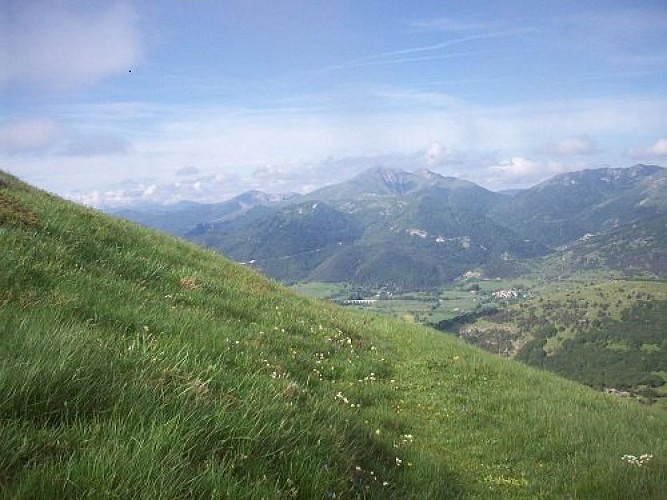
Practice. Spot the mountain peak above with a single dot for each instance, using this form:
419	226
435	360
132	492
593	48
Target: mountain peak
428	174
383	180
384	172
397	181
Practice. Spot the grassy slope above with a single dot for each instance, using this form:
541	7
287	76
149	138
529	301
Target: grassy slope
135	365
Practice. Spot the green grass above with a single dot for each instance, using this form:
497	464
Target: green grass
133	365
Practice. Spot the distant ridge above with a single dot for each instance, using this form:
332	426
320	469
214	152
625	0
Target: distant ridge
570	205
182	217
419	229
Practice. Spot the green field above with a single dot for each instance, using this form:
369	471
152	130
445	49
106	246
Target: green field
133	365
449	301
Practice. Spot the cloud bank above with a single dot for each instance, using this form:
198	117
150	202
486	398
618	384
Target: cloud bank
202	189
300	148
573	146
657	151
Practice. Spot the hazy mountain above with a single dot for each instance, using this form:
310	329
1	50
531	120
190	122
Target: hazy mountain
182	217
380	187
379	181
285	243
420	229
568	206
510	192
384	227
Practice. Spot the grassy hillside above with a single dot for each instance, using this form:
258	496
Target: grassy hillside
133	365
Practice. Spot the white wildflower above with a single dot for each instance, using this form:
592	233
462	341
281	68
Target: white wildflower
637	461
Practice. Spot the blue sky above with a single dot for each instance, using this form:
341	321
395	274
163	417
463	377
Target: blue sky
117	102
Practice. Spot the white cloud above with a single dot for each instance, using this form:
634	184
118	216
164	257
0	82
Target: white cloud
520	172
431	51
657	150
43	136
307	176
517	167
205	189
454	41
308	147
62	45
573	146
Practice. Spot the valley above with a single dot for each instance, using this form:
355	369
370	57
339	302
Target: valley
427	307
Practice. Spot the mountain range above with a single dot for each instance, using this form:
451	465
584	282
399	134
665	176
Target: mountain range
412	230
